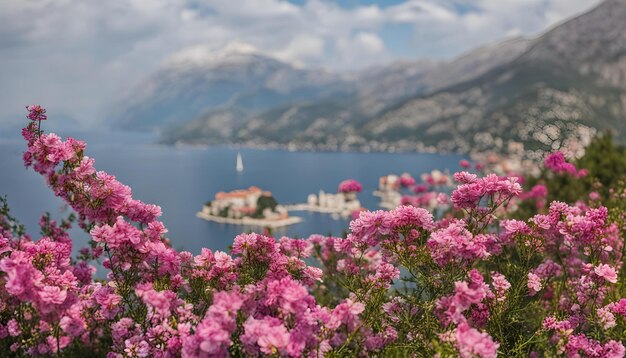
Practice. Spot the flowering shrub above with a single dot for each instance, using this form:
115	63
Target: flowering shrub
406	180
474	283
432	193
556	163
350	186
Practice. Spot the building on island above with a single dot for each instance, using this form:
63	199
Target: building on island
390	189
252	202
389	182
338	203
251	206
342	204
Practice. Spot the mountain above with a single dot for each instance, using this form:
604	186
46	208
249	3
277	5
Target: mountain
519	96
570	83
417	77
328	122
238	77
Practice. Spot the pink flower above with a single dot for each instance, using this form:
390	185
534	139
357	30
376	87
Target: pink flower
449	309
73	326
137	347
548	269
254	243
455	243
350	186
288	294
409	216
109	301
52	294
122	329
371	225
161	301
619	307
465	177
579	343
500	285
22	279
442	199
406	180
534	283
606	272
346	313
614	349
213	334
269	334
36	112
471	343
469	195
514	227
13	328
385	274
551	323
556	162
538	191
606	317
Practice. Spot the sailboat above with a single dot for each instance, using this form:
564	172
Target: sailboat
239	166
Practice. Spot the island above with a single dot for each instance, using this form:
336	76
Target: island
391	187
342	204
251	207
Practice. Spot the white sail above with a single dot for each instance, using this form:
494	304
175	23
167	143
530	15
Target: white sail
239	162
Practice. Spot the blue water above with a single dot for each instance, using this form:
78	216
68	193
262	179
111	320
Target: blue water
181	180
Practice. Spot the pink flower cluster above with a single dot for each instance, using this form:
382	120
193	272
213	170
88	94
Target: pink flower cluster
436	178
473	190
454	244
97	196
556	163
36	113
470	342
350	186
538	194
406	180
578	344
450	309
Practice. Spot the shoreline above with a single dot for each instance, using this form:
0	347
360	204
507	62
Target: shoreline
313	208
274	224
335	213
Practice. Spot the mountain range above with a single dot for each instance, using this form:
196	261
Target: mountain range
519	96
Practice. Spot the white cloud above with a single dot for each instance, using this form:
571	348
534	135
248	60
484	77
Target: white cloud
441	29
362	46
418	10
369	42
78	56
205	54
302	49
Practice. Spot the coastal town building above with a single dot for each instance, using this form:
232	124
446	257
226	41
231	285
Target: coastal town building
248	207
339	202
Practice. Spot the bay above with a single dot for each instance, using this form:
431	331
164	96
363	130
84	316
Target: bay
181	180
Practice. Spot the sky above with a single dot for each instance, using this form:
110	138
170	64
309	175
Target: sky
79	58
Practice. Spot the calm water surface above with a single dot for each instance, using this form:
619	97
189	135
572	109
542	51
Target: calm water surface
181	180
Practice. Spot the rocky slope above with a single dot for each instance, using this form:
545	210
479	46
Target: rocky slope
520	96
315	123
567	85
237	77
